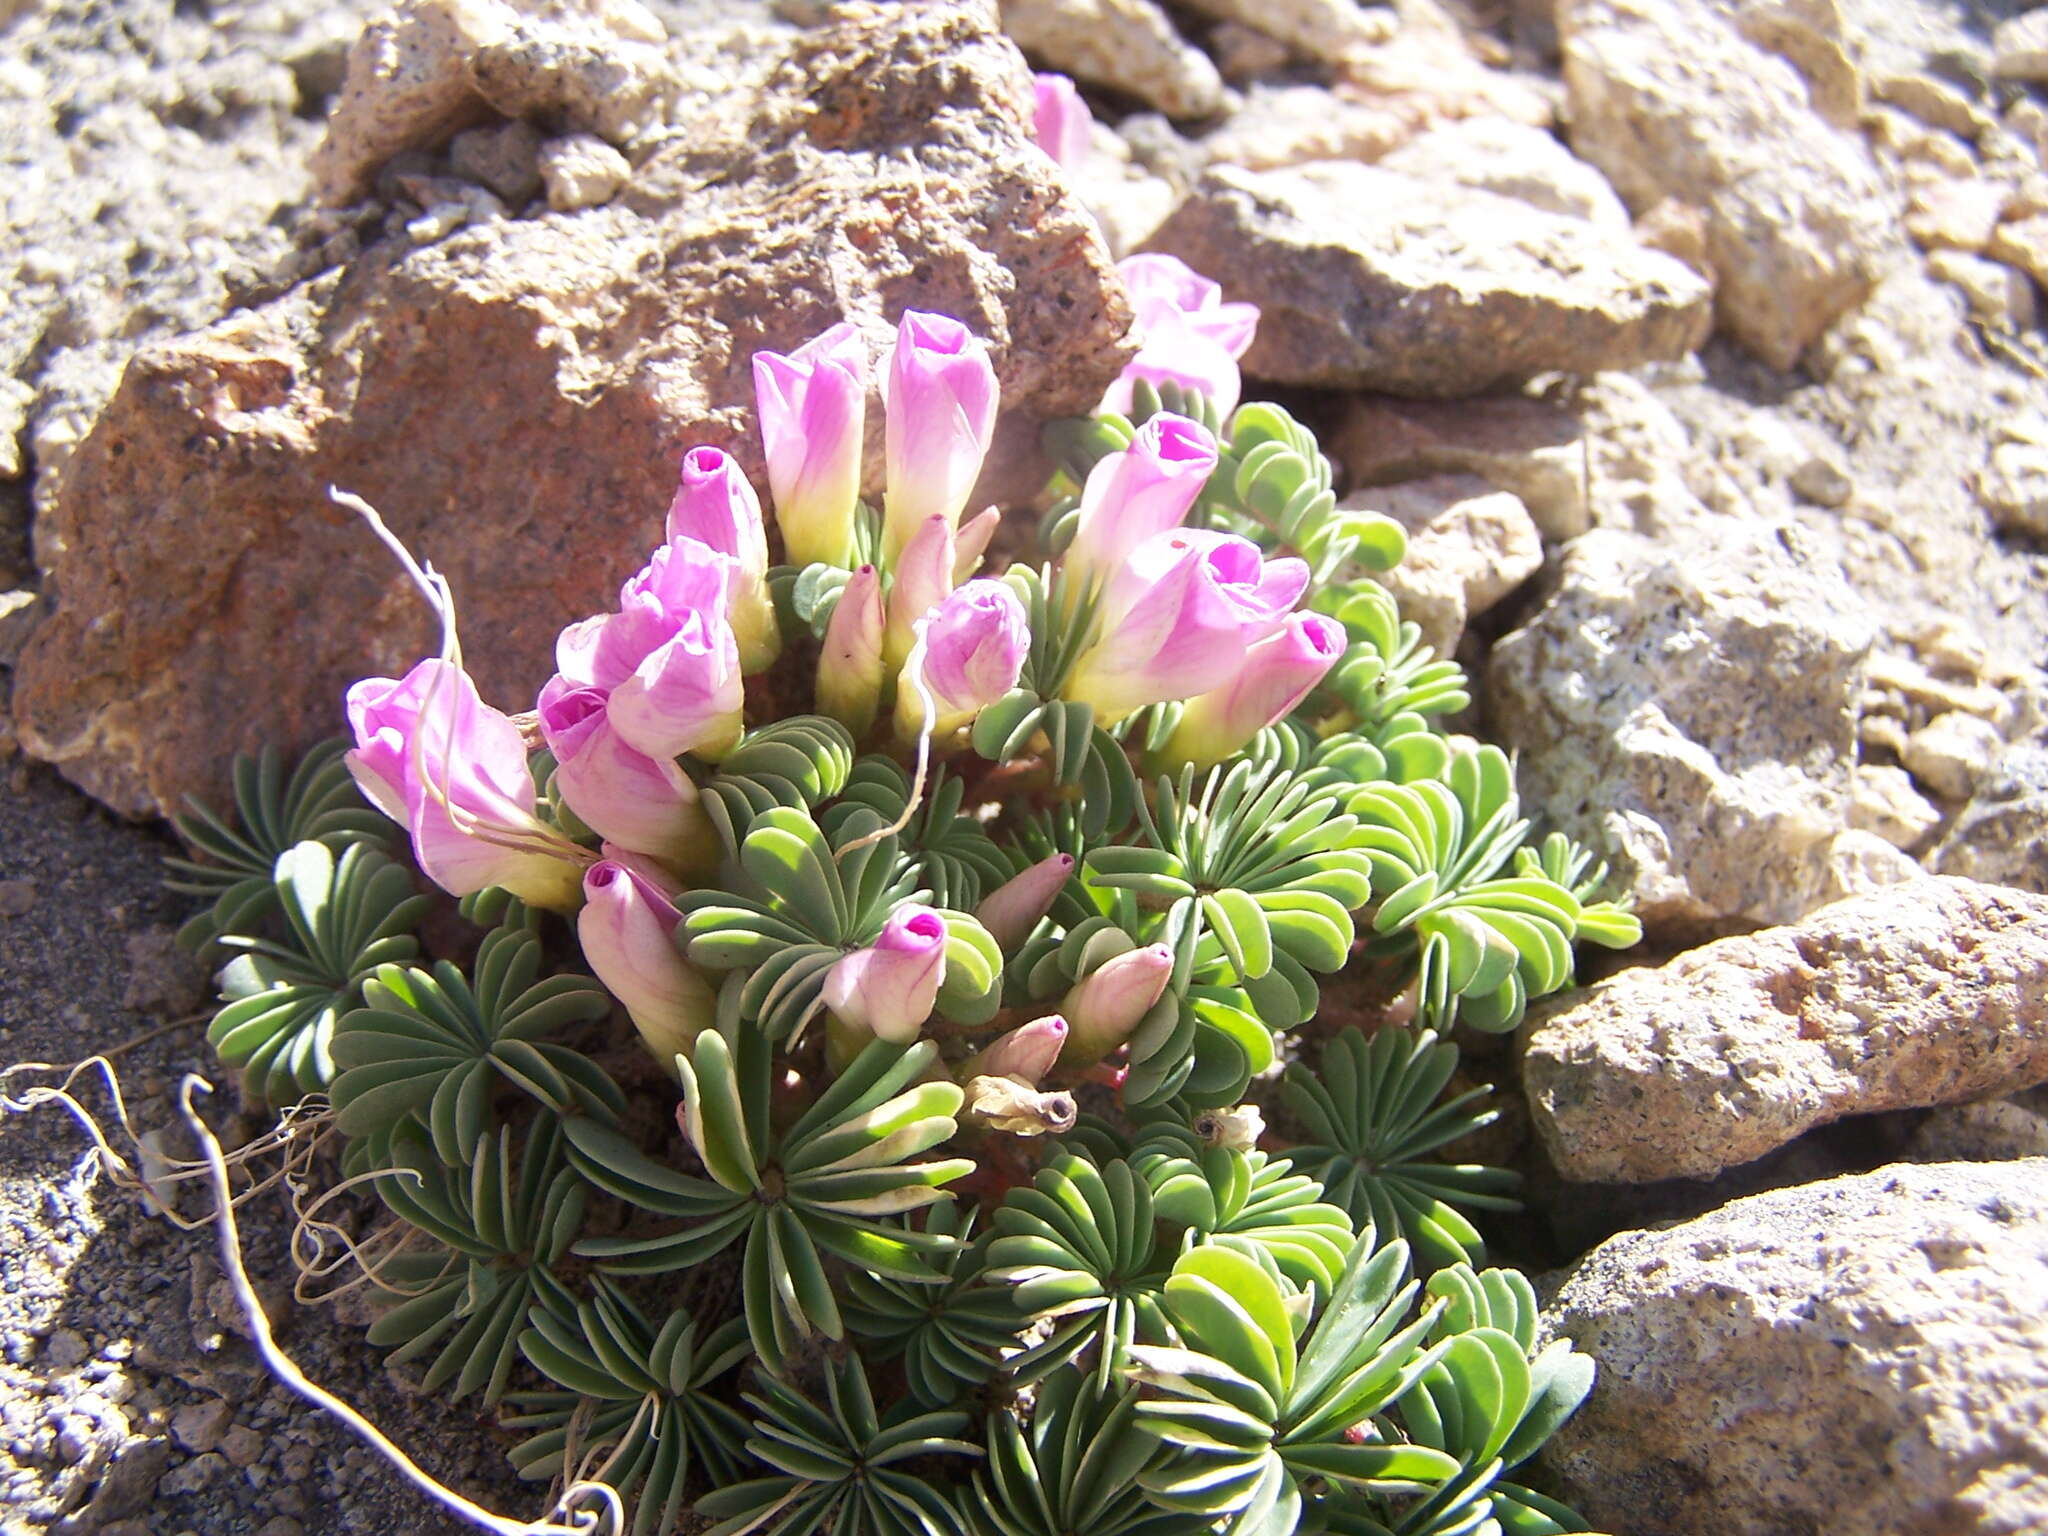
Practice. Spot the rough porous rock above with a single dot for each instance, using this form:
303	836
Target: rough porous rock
580	170
428	68
1291	123
1883	801
1127	45
1495	154
1689	707
2002	834
1318	29
1366	279
1867	1354
1988	1131
2013	485
1951	752
2020	47
1517	444
1469	546
1998	295
514	399
1931	992
1799	222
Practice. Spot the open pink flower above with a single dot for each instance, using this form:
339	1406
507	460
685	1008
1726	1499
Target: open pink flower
1140	491
1277	674
1060	120
645	804
975	648
1187	334
715	505
431	754
813	406
941	412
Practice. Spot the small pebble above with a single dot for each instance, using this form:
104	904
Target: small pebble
17	897
198	1427
242	1445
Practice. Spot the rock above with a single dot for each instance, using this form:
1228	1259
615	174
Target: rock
1127	45
1868	1354
1517	444
1989	1131
580	170
541	376
1469	546
2023	243
1859	862
17	621
1951	752
2002	834
241	1446
1678	229
1821	482
198	1427
130	1482
1690	709
505	158
1290	124
1883	801
17	899
1955	215
1515	160
1430	71
2013	487
427	68
2020	47
1317	29
1997	295
1799	223
1934	102
1244	55
1366	279
1931	992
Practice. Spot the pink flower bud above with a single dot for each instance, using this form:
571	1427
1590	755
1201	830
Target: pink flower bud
1061	120
715	505
1025	1053
1277	675
644	804
888	989
627	929
1131	495
850	660
941	413
668	658
971	542
923	577
1106	1005
1186	334
431	754
813	405
975	647
1012	909
1179	616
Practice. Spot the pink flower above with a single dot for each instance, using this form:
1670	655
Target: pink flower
1061	120
975	647
1025	1053
715	505
813	405
627	929
888	988
923	578
1179	616
941	412
1277	675
850	659
644	804
1131	495
1186	334
668	660
1104	1007
432	755
1013	909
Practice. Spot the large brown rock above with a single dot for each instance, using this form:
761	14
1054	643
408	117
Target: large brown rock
515	396
1930	992
1367	279
1866	1356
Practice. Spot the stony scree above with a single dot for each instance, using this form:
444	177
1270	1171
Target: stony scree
1865	1354
1689	708
1368	279
2002	833
541	376
1469	546
1931	992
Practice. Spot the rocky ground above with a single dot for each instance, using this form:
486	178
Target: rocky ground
1696	342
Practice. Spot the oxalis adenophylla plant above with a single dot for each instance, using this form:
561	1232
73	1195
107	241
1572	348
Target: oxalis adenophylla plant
994	1173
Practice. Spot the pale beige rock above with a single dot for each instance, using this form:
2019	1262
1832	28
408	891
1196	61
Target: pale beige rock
1799	221
1127	45
2013	487
1290	124
1366	279
1951	752
1934	102
1997	295
1317	29
514	398
1244	55
504	158
1958	215
1495	154
1864	1355
580	170
1430	72
1989	1131
1466	552
2002	834
1859	862
2020	47
1883	801
1688	708
1678	228
1519	445
1932	991
2023	243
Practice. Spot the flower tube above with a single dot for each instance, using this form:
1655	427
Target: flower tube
941	413
1013	909
813	407
1106	1005
888	989
1278	673
924	576
715	505
643	804
1131	495
850	669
